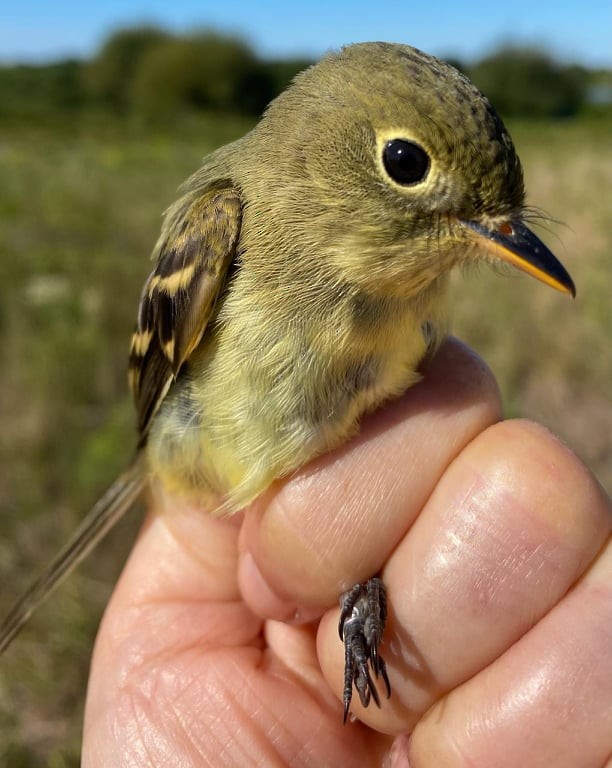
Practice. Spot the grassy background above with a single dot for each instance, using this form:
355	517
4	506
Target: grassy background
80	207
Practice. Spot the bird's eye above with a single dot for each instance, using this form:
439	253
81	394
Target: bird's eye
405	162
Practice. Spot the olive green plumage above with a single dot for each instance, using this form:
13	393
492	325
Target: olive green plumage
338	268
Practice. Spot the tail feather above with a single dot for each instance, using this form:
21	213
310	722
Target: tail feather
101	518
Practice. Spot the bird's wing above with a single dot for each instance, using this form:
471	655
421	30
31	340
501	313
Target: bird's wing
180	294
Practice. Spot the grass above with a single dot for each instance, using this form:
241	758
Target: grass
80	208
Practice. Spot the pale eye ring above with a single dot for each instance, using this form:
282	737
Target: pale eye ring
405	162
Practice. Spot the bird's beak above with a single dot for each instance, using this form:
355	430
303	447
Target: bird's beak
514	243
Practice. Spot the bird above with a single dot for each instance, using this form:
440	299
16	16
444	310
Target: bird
299	281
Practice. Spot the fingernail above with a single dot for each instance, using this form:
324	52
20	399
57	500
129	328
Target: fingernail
258	594
398	754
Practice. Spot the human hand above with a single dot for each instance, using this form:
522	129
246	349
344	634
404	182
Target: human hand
494	543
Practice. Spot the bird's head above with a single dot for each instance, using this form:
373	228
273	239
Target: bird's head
410	167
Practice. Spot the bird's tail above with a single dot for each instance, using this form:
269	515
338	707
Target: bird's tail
101	518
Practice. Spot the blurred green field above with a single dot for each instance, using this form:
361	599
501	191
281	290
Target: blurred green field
80	208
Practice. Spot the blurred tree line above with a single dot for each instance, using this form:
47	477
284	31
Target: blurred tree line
154	74
151	73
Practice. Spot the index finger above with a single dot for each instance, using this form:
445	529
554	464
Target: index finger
335	522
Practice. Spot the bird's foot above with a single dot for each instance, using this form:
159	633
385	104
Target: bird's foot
362	621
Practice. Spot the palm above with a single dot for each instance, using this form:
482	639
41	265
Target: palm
199	678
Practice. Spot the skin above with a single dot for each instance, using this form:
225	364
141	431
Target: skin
494	543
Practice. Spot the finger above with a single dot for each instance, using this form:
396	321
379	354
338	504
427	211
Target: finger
337	521
515	520
548	701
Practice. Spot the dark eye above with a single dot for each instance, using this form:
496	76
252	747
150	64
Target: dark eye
405	162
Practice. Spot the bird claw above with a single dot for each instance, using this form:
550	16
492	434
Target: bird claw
362	621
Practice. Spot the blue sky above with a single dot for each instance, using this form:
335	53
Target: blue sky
575	31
